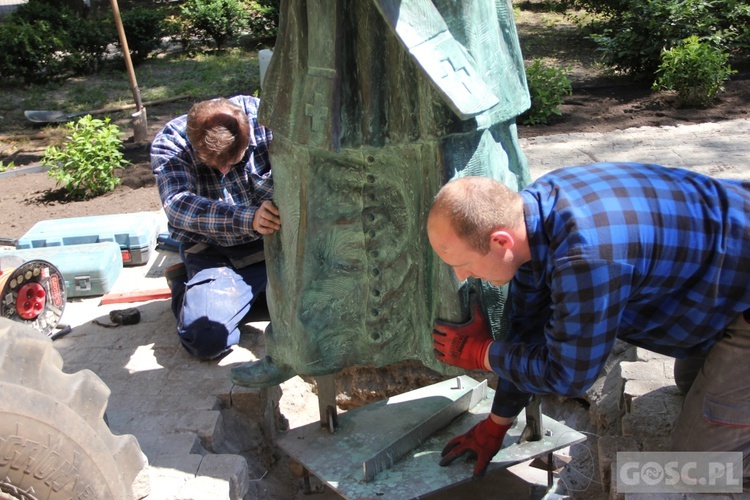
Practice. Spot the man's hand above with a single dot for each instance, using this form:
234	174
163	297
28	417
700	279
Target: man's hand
482	442
266	219
463	344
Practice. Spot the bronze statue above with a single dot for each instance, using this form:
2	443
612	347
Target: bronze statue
375	104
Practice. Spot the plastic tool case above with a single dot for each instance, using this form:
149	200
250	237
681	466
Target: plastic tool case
88	270
135	233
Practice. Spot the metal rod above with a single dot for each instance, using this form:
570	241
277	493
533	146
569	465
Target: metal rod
550	458
326	399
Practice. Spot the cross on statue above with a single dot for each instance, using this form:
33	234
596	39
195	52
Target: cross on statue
317	111
460	73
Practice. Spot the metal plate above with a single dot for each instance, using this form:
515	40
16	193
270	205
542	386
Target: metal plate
38	116
337	459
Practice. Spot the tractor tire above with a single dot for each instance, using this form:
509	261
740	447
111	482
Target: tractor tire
54	443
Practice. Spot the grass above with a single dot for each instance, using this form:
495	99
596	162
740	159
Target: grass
203	76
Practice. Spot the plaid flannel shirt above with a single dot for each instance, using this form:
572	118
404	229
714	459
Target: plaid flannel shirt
202	205
658	257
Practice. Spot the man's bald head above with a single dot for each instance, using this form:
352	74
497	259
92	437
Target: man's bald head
475	207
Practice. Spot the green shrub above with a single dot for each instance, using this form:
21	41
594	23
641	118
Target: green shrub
39	43
632	39
220	20
59	17
86	165
606	7
144	28
263	18
181	30
30	51
695	70
87	44
548	87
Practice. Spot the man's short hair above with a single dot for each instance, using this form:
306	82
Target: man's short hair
218	130
476	207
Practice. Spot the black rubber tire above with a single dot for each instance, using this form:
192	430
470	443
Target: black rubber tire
54	443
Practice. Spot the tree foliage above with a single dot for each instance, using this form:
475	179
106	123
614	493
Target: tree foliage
632	34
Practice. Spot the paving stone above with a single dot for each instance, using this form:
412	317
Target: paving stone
208	424
154	444
608	446
642	426
656	443
664	400
205	488
643	370
260	405
231	468
187	464
681	146
646	355
169	472
605	398
613	494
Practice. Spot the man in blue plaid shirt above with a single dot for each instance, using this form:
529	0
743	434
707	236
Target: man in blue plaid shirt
215	184
657	257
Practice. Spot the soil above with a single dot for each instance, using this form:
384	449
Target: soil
594	107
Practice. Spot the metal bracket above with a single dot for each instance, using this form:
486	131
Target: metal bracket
533	429
327	402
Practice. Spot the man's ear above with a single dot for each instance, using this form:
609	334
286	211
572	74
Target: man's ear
502	239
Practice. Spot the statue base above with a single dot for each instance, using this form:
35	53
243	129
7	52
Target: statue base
391	448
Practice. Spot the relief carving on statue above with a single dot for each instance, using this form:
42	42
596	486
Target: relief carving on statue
374	105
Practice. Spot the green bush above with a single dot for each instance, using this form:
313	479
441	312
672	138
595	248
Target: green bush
220	20
39	43
87	44
144	28
263	18
181	30
606	7
60	17
632	39
31	51
695	70
548	87
86	165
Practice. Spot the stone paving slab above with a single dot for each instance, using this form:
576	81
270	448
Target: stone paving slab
719	149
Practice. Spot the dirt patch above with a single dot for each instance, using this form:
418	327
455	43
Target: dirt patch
604	107
593	107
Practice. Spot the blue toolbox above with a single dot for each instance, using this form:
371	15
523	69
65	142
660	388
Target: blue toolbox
135	233
88	270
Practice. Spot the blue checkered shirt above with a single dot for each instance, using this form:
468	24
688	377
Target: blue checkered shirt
202	205
657	257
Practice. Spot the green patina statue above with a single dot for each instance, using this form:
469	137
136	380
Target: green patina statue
374	105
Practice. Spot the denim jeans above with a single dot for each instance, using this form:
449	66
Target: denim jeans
211	301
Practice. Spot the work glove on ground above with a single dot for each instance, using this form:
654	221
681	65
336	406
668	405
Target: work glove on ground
482	442
463	344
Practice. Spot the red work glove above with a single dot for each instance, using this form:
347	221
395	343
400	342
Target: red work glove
482	442
463	344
